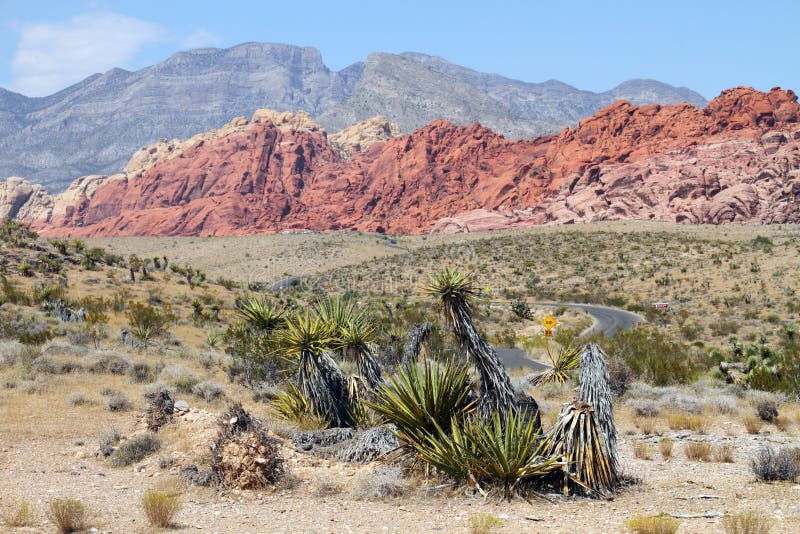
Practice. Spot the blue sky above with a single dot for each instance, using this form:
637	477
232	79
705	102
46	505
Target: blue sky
705	45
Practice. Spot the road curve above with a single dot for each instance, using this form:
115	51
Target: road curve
606	320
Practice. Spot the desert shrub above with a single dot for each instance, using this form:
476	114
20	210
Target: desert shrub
180	378
107	439
161	507
10	352
644	407
642	450
326	487
135	450
653	357
658	524
620	376
79	398
17	513
699	451
770	464
746	523
665	447
766	410
722	453
208	391
753	424
723	404
68	515
142	373
484	523
108	362
521	309
147	322
118	403
380	483
52	366
155	389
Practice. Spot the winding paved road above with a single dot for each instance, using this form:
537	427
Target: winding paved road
606	320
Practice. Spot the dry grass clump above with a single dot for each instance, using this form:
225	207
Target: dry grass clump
685	421
68	515
161	507
770	464
753	424
17	513
642	450
107	438
746	523
665	447
135	450
647	425
698	451
655	524
484	523
723	404
380	483
782	423
722	453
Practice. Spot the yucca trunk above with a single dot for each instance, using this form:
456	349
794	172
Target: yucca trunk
413	346
496	392
324	385
368	366
594	390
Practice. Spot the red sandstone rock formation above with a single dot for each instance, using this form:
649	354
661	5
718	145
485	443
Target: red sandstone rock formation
738	160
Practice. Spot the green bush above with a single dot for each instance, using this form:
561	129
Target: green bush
652	357
135	450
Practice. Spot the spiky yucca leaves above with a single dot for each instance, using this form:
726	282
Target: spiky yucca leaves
336	310
564	361
320	379
260	314
290	405
357	336
455	291
504	453
421	400
577	438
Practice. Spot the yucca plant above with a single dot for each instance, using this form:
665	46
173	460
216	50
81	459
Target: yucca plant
421	400
260	314
290	405
336	310
414	340
357	336
564	361
577	438
455	292
321	381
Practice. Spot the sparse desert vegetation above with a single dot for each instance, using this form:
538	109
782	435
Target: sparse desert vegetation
147	384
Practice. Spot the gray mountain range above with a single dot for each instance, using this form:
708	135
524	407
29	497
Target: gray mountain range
94	126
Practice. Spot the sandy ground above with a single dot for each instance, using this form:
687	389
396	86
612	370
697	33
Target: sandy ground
58	461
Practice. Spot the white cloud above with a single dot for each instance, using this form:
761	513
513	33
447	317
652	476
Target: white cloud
50	57
200	38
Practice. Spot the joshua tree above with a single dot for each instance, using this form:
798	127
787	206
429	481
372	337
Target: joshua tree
321	380
355	332
455	292
357	337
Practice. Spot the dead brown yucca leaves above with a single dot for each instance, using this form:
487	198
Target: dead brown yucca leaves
577	438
